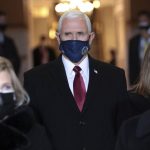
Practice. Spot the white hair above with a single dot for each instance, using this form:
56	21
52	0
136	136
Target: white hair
75	14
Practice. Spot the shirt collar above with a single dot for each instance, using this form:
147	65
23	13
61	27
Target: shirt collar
84	65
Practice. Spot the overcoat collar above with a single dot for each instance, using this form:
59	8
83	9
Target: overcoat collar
143	127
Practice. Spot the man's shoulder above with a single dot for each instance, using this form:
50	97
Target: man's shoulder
36	49
42	69
135	38
105	66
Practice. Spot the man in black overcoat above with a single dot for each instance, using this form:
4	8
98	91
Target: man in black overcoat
78	99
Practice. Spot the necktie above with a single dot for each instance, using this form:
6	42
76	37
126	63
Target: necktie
79	88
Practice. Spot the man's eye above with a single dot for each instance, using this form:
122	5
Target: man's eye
80	33
67	34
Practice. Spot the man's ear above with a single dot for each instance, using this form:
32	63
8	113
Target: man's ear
92	36
58	37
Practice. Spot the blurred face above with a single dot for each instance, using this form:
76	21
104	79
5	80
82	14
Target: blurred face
2	20
74	29
144	18
5	82
144	25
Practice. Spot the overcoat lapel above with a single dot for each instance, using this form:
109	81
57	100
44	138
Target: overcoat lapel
63	86
94	77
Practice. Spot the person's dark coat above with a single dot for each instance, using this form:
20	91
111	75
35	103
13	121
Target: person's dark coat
8	49
19	131
138	103
37	55
134	59
69	129
135	133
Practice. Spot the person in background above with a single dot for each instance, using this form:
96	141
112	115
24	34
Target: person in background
135	133
139	94
78	99
18	128
113	56
7	46
43	53
137	46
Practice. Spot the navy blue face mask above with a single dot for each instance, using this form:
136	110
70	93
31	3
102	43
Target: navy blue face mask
74	49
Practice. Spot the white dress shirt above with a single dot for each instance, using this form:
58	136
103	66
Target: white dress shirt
84	65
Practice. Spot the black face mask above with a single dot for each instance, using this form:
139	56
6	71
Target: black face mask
3	27
144	26
7	104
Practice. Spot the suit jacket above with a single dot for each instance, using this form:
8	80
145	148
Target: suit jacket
69	129
135	133
134	58
8	49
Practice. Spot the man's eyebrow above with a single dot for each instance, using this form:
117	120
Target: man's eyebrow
67	33
80	32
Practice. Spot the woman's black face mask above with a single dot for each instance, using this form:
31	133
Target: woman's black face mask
7	104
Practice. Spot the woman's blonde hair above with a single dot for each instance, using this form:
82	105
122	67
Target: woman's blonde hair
21	95
143	85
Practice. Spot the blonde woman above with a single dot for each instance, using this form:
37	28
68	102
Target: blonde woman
140	93
18	129
135	133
